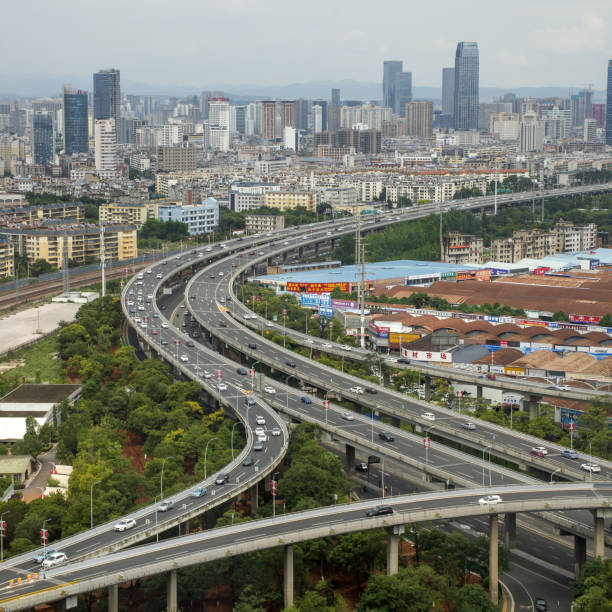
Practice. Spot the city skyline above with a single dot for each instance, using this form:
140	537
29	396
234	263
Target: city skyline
561	49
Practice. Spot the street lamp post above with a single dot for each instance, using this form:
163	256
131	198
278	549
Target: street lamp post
45	536
232	438
492	441
161	480
205	455
551	476
591	459
274	485
484	450
93	484
2	533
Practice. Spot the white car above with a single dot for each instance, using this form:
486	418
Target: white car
540	449
159	275
124	524
590	467
270	390
184	358
357	390
165	325
54	560
347	416
490	500
345	348
260	420
207	374
222	387
262	438
260	431
430	416
327	345
276	431
310	340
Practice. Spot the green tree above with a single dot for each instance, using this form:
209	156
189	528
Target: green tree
559	315
473	598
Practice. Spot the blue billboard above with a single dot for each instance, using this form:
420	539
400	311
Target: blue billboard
326	312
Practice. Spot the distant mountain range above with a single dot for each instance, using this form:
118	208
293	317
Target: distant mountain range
50	85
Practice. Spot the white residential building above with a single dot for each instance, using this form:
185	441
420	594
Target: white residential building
219	124
105	144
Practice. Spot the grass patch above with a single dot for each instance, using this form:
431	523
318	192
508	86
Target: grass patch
41	363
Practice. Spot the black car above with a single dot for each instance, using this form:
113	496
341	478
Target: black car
241	371
371	390
380	511
253	346
190	343
362	467
541	605
386	436
292	364
222	324
403	360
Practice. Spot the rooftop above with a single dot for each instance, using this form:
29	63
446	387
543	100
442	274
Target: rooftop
39	394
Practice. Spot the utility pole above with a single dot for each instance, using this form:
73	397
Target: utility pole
102	259
360	273
495	196
441	241
65	273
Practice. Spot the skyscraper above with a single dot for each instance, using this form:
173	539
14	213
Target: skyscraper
107	96
76	134
448	91
105	143
609	106
335	97
302	110
403	92
323	105
466	86
287	114
42	138
390	70
419	115
268	120
219	124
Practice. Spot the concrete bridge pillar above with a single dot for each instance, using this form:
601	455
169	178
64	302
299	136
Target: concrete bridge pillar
288	576
183	528
510	530
427	388
350	457
493	559
171	592
580	554
395	421
478	391
598	536
254	498
393	534
113	598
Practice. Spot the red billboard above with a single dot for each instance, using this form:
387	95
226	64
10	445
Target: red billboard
584	319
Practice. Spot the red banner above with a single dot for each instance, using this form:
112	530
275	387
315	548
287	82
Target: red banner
316	287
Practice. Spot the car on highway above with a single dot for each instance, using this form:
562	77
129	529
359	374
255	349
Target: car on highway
345	348
159	275
490	500
379	511
260	420
269	389
212	276
184	358
199	492
262	438
44	554
276	431
55	560
259	431
536	452
222	478
491	376
248	462
125	523
542	449
563	387
190	343
362	467
347	416
569	454
291	364
468	425
252	345
207	374
306	400
385	436
371	390
429	416
327	345
242	371
356	389
166	505
540	605
164	325
403	360
258	446
222	387
590	467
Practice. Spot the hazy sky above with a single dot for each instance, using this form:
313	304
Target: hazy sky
198	42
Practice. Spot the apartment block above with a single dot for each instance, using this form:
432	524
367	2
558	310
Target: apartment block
200	218
460	248
31	214
137	213
288	200
177	159
264	223
248	196
6	258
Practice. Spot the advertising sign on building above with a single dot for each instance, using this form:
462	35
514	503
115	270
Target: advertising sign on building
326	312
584	318
309	300
442	357
316	287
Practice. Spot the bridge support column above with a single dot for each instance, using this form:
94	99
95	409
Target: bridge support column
478	391
510	530
428	388
393	534
493	559
350	457
288	576
254	498
113	598
171	592
580	554
598	536
395	421
183	528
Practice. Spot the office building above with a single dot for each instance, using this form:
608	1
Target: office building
390	71
466	86
177	159
268	120
200	218
218	130
105	145
403	93
323	105
287	114
42	138
419	117
506	126
448	91
609	105
302	110
580	107
598	112
335	97
590	130
531	133
317	119
76	133
240	119
107	96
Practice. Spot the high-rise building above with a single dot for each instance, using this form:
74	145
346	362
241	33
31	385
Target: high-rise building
323	105
302	110
390	70
317	119
598	112
105	143
403	92
531	133
240	121
42	137
268	120
287	114
335	97
448	91
466	86
107	96
609	105
580	107
219	124
419	116
76	133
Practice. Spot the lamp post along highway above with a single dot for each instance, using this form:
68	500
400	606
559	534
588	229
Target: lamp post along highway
93	484
232	437
45	538
161	480
2	533
206	455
